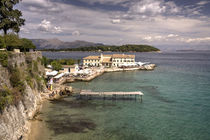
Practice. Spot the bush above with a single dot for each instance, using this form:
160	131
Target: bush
4	59
29	81
35	66
16	81
26	45
12	41
56	65
6	98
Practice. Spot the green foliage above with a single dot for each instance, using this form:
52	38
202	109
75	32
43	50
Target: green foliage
45	61
123	48
35	66
39	82
6	98
56	65
4	59
12	41
2	42
16	80
10	17
29	81
67	61
27	45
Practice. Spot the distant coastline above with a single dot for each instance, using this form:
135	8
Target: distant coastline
123	48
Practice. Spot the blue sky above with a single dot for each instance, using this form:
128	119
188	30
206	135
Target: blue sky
167	24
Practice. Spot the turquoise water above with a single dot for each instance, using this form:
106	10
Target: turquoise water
176	103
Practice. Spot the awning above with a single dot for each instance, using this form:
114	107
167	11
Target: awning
53	73
59	76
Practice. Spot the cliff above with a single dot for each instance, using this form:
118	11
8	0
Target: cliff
21	85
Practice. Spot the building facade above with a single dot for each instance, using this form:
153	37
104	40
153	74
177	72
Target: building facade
114	60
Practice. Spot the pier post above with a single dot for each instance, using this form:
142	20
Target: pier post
141	98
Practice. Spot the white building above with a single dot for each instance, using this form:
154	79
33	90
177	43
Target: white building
114	60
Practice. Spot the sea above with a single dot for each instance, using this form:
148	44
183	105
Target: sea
175	106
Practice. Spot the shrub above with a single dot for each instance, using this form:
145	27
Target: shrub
35	66
29	81
26	45
6	98
56	65
4	59
16	81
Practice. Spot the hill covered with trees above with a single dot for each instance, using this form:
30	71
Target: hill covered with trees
123	48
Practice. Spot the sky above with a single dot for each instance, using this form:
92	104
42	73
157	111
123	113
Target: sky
167	24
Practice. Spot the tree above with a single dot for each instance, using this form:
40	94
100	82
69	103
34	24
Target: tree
2	43
27	45
56	65
10	18
12	41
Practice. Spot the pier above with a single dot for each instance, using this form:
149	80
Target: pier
88	94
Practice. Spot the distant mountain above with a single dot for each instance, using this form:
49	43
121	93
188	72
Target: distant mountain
58	44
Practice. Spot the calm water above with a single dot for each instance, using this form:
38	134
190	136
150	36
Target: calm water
176	103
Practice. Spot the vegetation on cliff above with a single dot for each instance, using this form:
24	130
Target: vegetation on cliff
12	41
26	74
4	59
123	48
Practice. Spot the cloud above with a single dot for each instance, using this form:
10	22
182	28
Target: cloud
148	6
46	26
142	21
76	33
24	30
203	2
204	39
112	2
115	21
153	7
172	35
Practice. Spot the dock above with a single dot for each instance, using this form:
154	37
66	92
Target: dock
88	94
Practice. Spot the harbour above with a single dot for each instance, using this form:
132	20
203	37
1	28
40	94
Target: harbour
170	102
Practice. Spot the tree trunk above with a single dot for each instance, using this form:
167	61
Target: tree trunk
5	31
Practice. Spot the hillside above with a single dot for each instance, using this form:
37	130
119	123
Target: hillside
58	44
123	48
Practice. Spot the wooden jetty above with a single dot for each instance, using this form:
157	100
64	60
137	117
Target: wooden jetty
114	95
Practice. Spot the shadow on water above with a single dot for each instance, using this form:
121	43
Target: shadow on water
78	103
154	92
64	123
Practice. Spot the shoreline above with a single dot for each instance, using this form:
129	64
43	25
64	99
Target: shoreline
61	88
99	72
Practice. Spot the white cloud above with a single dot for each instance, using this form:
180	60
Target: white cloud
57	29
151	22
105	1
148	6
204	39
172	35
76	33
203	2
46	26
148	38
115	21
